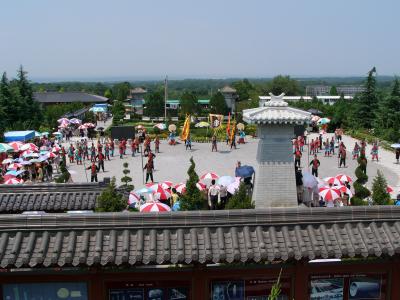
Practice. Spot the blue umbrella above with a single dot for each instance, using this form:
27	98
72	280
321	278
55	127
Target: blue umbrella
244	171
176	206
15	172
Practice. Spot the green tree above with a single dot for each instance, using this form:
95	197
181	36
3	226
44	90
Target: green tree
366	103
283	84
192	199
333	91
108	94
110	200
218	104
189	104
118	111
7	114
380	196
126	179
121	90
154	104
243	89
360	191
241	199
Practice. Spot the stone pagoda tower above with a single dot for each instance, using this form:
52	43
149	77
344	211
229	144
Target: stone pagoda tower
275	183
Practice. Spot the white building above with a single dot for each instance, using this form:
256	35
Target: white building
325	99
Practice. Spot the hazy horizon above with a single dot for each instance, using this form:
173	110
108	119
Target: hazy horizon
146	40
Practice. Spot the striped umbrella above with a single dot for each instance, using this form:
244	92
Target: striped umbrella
29	146
63	120
344	178
332	180
181	188
50	155
89	125
160	193
30	153
134	199
16	145
14	166
201	186
389	189
167	185
75	121
5	148
13	181
329	193
209	176
56	148
82	127
154	206
344	189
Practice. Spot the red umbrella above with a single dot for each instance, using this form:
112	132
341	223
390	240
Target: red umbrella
167	184
91	125
13	181
82	127
159	192
389	189
29	146
181	188
344	178
346	190
51	155
201	186
332	180
16	146
154	206
56	148
134	199
209	176
329	193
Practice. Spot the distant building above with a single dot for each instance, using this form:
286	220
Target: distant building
325	99
136	100
176	103
49	98
230	96
324	90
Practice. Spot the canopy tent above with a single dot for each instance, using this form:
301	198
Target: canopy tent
98	109
20	136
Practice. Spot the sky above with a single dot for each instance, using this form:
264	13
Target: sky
129	39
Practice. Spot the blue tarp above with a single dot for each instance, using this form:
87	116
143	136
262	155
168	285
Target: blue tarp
20	136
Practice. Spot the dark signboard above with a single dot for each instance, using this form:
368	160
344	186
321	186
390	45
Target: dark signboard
122	132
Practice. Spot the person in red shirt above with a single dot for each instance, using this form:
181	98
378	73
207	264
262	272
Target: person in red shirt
157	144
100	157
315	163
297	158
133	148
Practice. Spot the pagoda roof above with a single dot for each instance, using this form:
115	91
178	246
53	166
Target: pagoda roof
276	111
227	89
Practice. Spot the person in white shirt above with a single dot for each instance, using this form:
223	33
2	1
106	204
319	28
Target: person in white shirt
213	193
223	195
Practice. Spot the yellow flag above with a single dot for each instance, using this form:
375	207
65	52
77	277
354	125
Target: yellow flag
186	128
233	129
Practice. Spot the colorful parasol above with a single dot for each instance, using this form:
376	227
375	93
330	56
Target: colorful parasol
29	146
329	193
5	148
209	176
155	206
332	181
181	188
16	145
13	181
344	178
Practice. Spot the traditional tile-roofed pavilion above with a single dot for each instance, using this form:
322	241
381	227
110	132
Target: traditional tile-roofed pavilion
67	97
275	184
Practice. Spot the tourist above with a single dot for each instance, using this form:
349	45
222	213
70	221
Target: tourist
100	157
121	150
157	144
233	142
92	153
223	195
40	173
149	167
188	143
320	141
397	201
327	148
374	151
213	193
332	146
397	155
299	185
315	163
356	151
342	157
214	143
107	152
363	164
297	158
312	146
93	172
71	153
112	147
174	197
133	148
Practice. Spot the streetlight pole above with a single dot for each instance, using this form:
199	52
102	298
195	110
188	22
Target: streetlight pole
165	98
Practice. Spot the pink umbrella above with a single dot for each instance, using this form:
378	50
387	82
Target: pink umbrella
134	199
29	146
344	178
167	184
89	125
75	121
13	181
332	180
82	127
329	193
209	176
56	148
14	166
154	206
233	187
389	189
181	188
7	161
201	186
50	155
16	145
63	120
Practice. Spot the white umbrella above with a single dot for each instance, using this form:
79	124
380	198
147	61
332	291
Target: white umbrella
225	180
233	187
309	180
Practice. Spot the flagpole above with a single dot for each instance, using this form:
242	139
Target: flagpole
165	98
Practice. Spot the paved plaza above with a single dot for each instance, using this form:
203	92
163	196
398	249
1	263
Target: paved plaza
173	162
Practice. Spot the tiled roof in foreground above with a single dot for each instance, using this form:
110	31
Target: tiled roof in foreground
198	237
49	197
